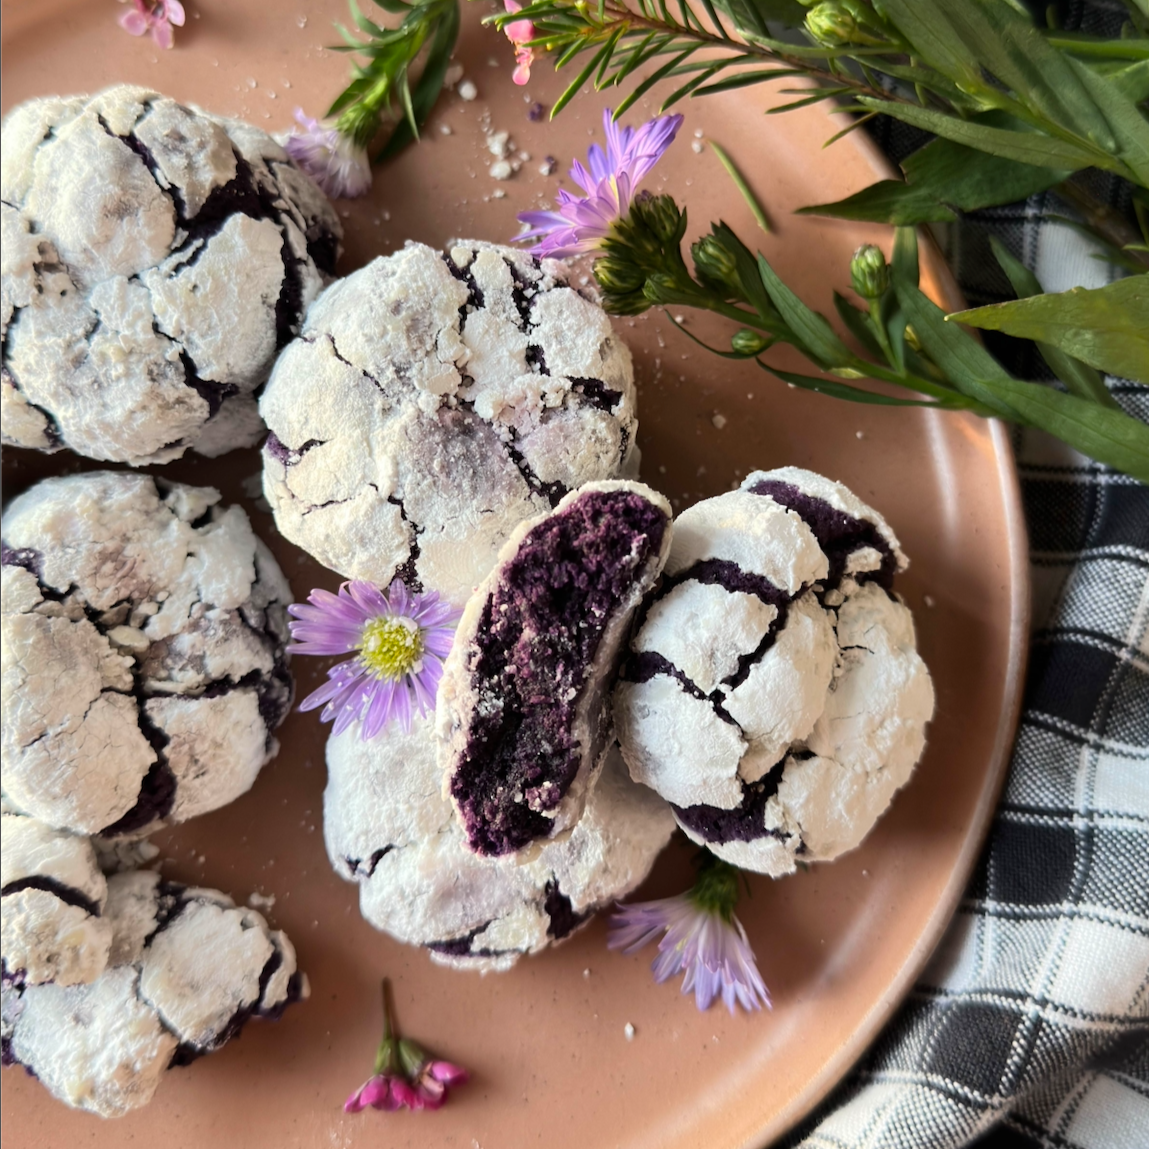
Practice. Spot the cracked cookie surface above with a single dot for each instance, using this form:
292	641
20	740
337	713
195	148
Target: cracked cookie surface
187	969
388	827
773	692
435	400
155	258
52	900
144	669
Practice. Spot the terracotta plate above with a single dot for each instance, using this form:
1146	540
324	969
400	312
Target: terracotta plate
838	945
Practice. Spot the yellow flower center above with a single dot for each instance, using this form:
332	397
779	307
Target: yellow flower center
391	647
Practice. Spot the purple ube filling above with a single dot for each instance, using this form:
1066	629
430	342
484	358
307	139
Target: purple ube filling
838	534
745	823
537	639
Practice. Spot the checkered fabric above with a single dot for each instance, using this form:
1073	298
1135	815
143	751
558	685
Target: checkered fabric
1030	1027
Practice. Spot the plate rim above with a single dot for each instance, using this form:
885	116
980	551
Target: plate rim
1019	589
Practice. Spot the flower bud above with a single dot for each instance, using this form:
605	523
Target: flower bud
836	23
714	261
912	338
618	275
748	343
869	273
660	214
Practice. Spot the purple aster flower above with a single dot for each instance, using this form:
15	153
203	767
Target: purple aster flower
702	939
333	160
400	640
581	223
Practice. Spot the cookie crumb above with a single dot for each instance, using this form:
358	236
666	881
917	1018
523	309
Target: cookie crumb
628	1030
501	170
468	91
719	421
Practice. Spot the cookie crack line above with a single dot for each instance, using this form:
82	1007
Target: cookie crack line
61	890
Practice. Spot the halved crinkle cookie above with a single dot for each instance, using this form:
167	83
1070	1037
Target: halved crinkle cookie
435	400
144	633
523	707
389	828
773	691
155	258
52	898
186	971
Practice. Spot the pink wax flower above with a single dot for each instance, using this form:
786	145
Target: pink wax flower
405	1076
520	33
155	16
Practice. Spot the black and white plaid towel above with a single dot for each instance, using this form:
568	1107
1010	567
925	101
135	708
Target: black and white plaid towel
1030	1027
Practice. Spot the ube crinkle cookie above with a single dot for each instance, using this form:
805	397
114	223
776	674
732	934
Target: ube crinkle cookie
186	970
773	692
155	259
435	400
52	899
144	633
389	828
522	713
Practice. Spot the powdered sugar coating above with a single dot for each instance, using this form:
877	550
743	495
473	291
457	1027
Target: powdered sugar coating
388	827
52	904
155	258
431	403
144	662
187	968
522	714
798	750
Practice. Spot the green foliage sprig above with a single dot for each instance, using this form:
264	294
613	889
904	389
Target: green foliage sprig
381	93
909	342
1017	108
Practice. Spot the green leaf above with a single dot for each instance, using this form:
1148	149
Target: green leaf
1107	435
430	82
844	390
1079	44
939	177
887	201
858	324
1025	147
1078	377
904	260
574	86
1129	80
648	83
1107	327
814	334
739	181
741	80
1128	124
999	39
926	25
751	15
967	365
